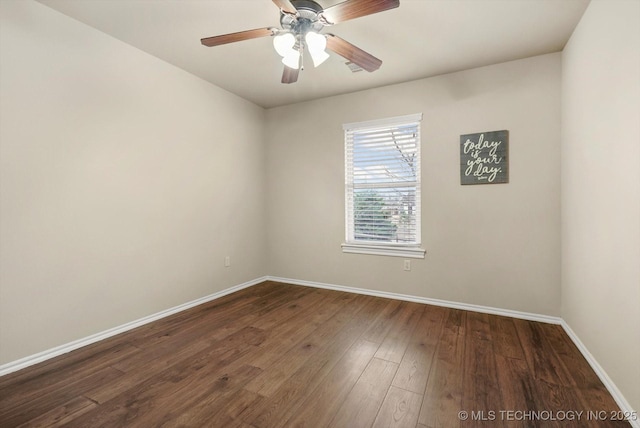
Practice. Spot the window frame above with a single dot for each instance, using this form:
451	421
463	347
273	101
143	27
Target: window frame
394	249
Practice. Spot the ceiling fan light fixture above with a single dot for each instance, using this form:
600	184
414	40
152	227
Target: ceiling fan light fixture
283	43
301	25
316	44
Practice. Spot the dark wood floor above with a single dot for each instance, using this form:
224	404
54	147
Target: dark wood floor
277	355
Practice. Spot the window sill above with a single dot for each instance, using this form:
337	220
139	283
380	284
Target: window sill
384	250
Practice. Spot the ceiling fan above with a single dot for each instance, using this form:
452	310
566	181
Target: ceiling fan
302	22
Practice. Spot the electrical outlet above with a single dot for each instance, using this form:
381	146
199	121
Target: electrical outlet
227	261
407	265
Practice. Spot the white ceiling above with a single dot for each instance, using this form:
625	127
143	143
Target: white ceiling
419	39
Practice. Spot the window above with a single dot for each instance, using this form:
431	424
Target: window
382	162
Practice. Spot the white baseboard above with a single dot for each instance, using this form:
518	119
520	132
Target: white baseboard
68	347
428	301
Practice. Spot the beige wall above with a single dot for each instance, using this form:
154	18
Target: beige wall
494	245
124	183
601	189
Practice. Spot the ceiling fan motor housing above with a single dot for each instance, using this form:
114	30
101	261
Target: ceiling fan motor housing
306	20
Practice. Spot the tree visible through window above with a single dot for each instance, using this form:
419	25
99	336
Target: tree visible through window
383	182
373	219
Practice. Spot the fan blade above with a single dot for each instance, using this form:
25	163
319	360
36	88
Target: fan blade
352	9
286	6
353	53
237	37
290	75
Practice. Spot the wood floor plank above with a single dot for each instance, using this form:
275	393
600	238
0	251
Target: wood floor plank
361	406
231	406
517	388
539	354
504	337
287	335
137	372
400	409
50	377
397	339
276	355
202	398
556	398
415	366
45	402
288	397
443	394
481	393
62	414
291	308
379	329
150	399
324	401
286	364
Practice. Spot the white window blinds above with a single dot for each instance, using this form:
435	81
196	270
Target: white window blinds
382	160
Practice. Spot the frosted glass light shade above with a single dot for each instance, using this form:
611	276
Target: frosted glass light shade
283	43
318	57
316	43
292	59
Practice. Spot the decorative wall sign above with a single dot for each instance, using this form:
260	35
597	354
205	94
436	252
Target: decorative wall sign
484	158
